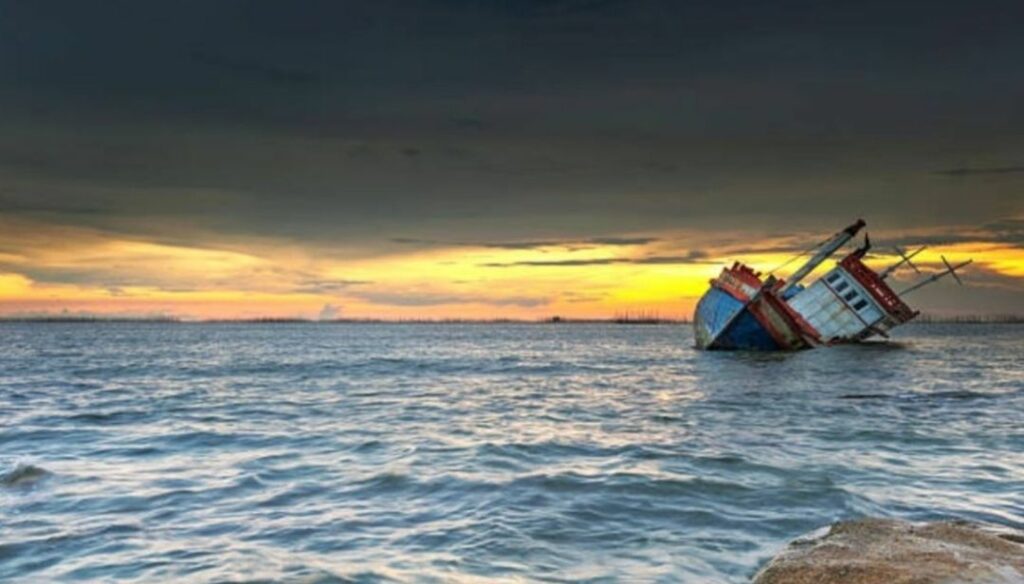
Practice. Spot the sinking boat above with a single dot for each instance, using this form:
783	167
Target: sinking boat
850	303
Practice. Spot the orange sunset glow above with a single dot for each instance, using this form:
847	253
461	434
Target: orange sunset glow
72	271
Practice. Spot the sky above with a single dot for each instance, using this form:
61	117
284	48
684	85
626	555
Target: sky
496	159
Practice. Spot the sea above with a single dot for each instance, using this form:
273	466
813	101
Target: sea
186	452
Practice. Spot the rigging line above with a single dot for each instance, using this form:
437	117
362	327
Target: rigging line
798	256
787	262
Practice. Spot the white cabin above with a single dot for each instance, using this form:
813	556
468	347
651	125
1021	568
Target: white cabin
839	307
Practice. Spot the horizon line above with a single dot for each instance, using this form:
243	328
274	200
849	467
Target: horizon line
922	319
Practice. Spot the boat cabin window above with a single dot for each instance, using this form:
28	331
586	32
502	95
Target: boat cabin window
860	304
850	295
831	278
842	286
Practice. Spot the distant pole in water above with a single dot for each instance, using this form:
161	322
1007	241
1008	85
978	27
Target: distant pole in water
950	269
827	249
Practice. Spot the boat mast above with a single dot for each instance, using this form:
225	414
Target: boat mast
949	270
827	249
906	260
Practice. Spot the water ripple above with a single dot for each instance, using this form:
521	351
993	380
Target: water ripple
22	475
224	453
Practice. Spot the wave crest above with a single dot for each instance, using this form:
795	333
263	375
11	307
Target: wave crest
23	475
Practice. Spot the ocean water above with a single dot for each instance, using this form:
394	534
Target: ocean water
481	453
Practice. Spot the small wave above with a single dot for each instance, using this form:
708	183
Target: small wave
110	417
387	481
935	395
882	345
369	446
956	394
527	451
23	475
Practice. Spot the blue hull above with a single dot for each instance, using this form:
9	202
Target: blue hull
723	322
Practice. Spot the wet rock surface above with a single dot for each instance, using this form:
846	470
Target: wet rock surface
885	551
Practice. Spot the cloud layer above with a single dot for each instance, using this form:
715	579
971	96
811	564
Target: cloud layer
489	156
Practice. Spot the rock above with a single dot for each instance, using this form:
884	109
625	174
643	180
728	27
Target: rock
886	551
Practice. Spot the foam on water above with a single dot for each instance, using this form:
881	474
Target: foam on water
322	453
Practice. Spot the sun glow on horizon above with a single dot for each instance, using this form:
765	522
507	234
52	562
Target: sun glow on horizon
88	272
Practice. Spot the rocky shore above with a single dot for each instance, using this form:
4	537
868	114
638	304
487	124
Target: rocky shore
885	551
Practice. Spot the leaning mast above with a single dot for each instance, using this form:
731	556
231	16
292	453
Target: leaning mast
827	249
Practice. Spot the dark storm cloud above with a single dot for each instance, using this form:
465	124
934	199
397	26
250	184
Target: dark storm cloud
695	256
622	240
536	244
1009	231
278	75
419	298
986	171
554	263
78	275
19	204
331	122
317	286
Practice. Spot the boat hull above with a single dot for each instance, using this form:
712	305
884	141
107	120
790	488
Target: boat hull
723	322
